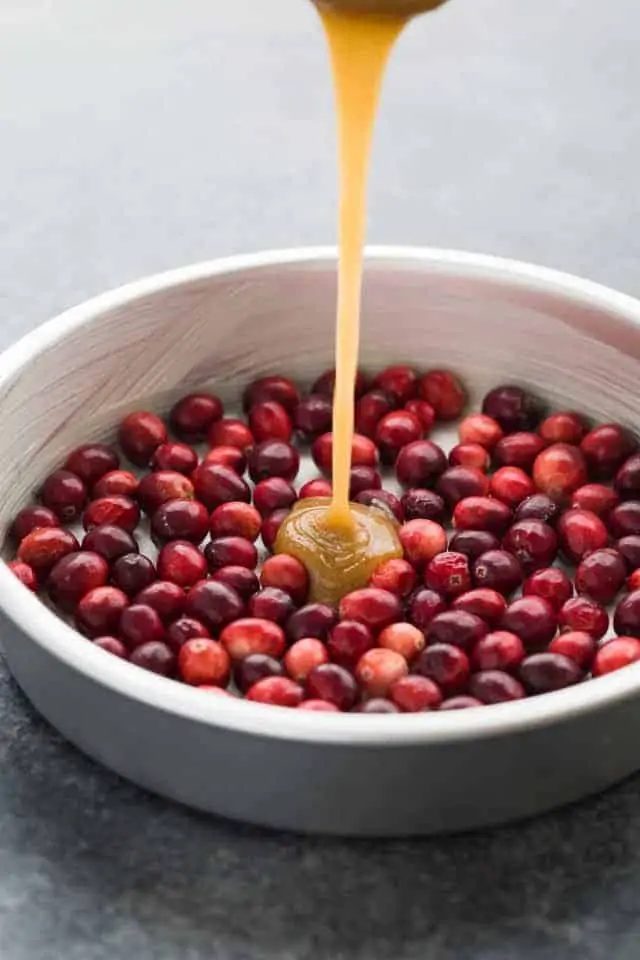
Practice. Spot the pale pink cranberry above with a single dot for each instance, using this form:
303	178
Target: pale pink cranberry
43	547
116	482
382	500
420	463
544	672
473	543
248	635
444	392
448	574
480	429
373	607
271	604
91	462
276	691
312	620
332	683
181	520
626	619
487	604
581	613
214	485
577	646
244	581
551	584
271	525
606	448
319	487
301	658
403	638
498	570
74	576
32	518
514	408
313	416
395	575
140	434
424	412
627	481
192	416
534	543
395	431
363	452
533	619
112	645
460	703
318	706
399	381
156	657
363	478
116	510
175	456
482	513
559	471
272	388
215	604
370	409
378	669
99	612
581	532
511	485
456	483
424	605
616	654
65	494
166	598
204	661
601	575
415	694
420	504
563	427
270	421
595	497
274	493
183	629
231	457
495	686
518	450
25	574
447	665
286	573
458	628
421	541
624	520
501	650
231	432
470	455
181	562
140	624
538	507
157	488
255	667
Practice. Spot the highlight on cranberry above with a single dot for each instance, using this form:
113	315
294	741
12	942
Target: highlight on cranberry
521	542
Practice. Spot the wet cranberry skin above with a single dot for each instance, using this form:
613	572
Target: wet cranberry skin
423	505
533	543
245	582
214	485
192	416
495	686
577	646
140	624
601	575
629	549
448	574
481	429
274	458
470	455
581	532
91	462
382	500
456	483
533	619
538	507
458	628
32	518
514	408
552	584
375	608
99	612
518	450
626	620
395	432
595	497
175	456
132	572
616	654
363	478
225	456
110	542
424	605
274	493
544	672
482	513
445	664
231	551
213	603
272	604
498	651
276	389
248	635
415	694
74	576
65	494
487	604
118	510
155	657
319	487
473	543
444	392
271	526
181	562
167	599
399	381
498	570
559	471
231	432
116	482
256	667
157	488
181	520
606	448
370	409
421	541
140	434
312	620
581	613
332	683
624	520
203	661
511	485
563	427
395	575
627	481
313	416
270	421
25	574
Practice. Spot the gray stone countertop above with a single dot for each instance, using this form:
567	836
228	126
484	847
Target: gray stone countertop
135	136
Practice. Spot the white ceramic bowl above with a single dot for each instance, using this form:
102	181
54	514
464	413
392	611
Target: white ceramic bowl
224	323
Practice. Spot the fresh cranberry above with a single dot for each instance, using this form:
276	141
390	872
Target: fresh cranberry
325	384
230	432
256	667
402	638
421	541
559	470
470	455
563	427
348	641
458	628
424	412
156	657
32	518
396	431
272	604
495	686
498	570
25	574
538	507
456	483
65	494
400	382
595	497
313	417
333	683
166	598
534	543
616	654
378	669
116	482
363	452
370	409
481	429
271	525
270	421
415	694
112	645
460	703
215	604
482	513
181	562
140	624
473	543
276	691
193	415
423	505
286	573
231	552
498	651
74	576
624	520
43	547
99	612
544	672
363	478
581	532
110	542
627	482
425	604
376	705
175	456
274	458
581	613
301	658
249	635
202	660
629	549
132	572
313	620
244	581
382	500
375	608
236	519
487	604
633	581
181	520
395	575
626	620
272	389
183	629
511	485
601	575
447	665
577	646
514	408
551	584
448	574
91	462
140	434
318	487
275	493
533	619
444	392
214	485
518	450
231	457
162	486
606	448
318	706
115	510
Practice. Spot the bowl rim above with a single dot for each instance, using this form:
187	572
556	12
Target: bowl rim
47	630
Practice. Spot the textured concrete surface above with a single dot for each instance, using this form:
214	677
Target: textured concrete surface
138	136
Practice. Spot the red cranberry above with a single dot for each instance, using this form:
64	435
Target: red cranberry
482	513
581	613
378	669
628	479
162	486
513	408
624	520
64	494
140	435
74	576
420	463
564	427
43	547
629	549
421	541
270	421
363	478
91	462
249	635
580	532
395	431
456	483
181	562
370	409
275	493
595	497
415	694
448	574
444	392
424	412
511	485
423	505
233	519
518	450
533	619
400	382
155	657
231	432
116	510
551	584
498	570
495	686
245	582
489	605
382	500
99	612
272	389
256	667
424	606
633	581
325	384
110	542
116	482
313	417
333	683
577	646
178	457
616	654
301	658
395	575
460	703
458	628
132	572
231	552
446	664
544	672
25	574
376	705
534	543
181	520
140	624
183	629
480	429
276	691
470	455
215	604
404	639
498	651
538	507
313	620
231	457
112	645
601	575
33	518
559	470
271	526
318	487
274	458
192	417
606	448
375	608
286	573
473	543
166	598
214	485
202	660
271	604
363	452
626	620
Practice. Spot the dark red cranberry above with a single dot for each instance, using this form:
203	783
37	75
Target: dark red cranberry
423	505
155	657
460	703
231	432
533	619
110	542
256	667
376	705
167	598
140	624
498	570
231	457
489	605
424	412
140	435
601	575
231	551
181	520
214	604
112	645
616	654
273	458
448	574
272	389
244	581
397	430
163	485
606	448
44	546
482	513
313	620
363	478
581	613
271	604
33	518
456	483
65	494
370	409
363	451
275	493
116	482
115	510
544	672
181	562
559	470
595	497
313	417
214	485
91	462
627	482
624	520
514	408
498	651
74	576
374	607
469	455
444	392
325	384
399	381
456	627
551	584
518	450
348	641
533	542
271	525
383	500
626	620
564	427
581	532
183	629
25	574
495	686
629	549
473	543
538	507
270	421
333	683
446	664
577	646
132	572
511	485
424	605
480	429
175	456
191	418
98	613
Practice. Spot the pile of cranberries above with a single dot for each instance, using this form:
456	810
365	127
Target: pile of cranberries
478	615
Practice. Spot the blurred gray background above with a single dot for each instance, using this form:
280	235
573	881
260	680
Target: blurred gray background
141	135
